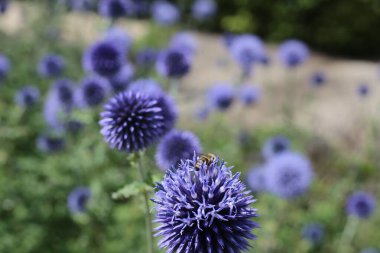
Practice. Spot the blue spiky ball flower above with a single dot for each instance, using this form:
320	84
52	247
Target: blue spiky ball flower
361	204
132	121
5	66
104	57
27	96
78	198
185	42
204	211
203	9
289	175
114	8
293	53
275	146
93	91
220	96
318	79
165	13
173	62
313	232
121	80
176	146
51	65
256	178
249	95
3	6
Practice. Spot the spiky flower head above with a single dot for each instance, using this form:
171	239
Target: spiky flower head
275	146
173	62
104	57
176	146
78	198
293	53
204	211
165	13
185	42
93	91
361	204
114	8
27	96
221	96
121	80
313	232
318	79
256	178
203	9
289	174
250	95
132	121
5	66
51	65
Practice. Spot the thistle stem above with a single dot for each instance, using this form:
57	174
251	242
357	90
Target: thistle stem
148	218
348	234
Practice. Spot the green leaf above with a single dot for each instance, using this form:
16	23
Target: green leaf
131	190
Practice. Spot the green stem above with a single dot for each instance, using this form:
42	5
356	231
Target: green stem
348	234
148	218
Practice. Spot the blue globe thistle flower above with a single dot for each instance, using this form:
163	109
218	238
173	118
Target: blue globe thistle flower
247	49
185	42
275	146
370	250
318	79
105	58
132	121
27	96
5	66
363	90
92	91
256	179
114	9
361	204
78	199
176	146
173	63
51	65
74	126
293	53
221	96
146	86
165	13
3	6
289	174
313	232
250	95
265	60
120	81
50	144
203	9
119	37
146	57
204	211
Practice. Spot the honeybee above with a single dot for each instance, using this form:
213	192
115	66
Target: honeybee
208	159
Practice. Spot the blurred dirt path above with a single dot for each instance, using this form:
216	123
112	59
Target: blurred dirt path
334	111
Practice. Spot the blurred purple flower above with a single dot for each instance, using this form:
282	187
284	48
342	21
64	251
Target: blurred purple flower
74	126
146	57
313	232
27	96
119	37
289	174
93	91
77	199
176	146
203	9
50	144
256	179
114	8
3	6
173	63
275	146
202	113
250	95
221	96
5	66
318	79
361	204
165	13
185	42
293	52
363	90
80	5
121	80
51	65
146	86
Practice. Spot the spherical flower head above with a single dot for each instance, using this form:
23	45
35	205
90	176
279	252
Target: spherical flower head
318	79
289	175
165	13
146	57
146	86
275	146
173	63
363	90
185	42
51	65
293	53
92	91
313	232
104	57
5	66
203	9
176	146
50	144
256	179
114	8
370	250
78	199
132	121
221	96
246	50
121	80
27	96
250	95
204	211
3	6
119	37
361	205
